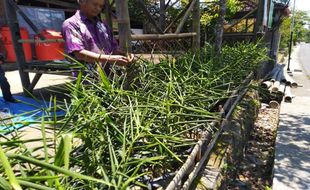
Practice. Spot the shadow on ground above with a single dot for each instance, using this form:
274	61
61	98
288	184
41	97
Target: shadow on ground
293	151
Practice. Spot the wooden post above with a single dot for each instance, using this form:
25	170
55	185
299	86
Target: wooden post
162	17
123	25
259	17
11	17
220	27
16	8
196	26
108	16
276	37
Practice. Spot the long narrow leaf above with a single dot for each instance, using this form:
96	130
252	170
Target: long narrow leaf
9	171
57	169
4	184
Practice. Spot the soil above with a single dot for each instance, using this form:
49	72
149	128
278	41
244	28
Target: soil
255	169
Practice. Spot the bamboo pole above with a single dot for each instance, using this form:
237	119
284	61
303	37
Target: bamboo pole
133	37
280	76
239	20
281	89
196	26
187	13
174	3
275	87
290	81
140	3
274	104
274	75
123	25
201	163
269	75
176	19
220	27
266	84
160	36
108	15
229	107
162	15
259	17
189	162
288	95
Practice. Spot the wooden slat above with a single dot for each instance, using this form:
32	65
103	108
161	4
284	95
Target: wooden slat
59	3
236	34
161	36
41	41
11	17
25	17
239	20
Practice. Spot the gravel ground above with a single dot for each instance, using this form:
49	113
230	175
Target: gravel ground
255	170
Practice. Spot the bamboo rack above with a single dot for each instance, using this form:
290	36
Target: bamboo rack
206	141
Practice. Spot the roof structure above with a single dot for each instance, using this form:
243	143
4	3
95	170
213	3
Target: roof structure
283	2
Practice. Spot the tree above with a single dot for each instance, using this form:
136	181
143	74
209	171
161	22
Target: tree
301	33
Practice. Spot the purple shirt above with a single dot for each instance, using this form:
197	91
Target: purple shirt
80	33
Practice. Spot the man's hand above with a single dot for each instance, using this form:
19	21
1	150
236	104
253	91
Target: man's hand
131	57
94	57
119	60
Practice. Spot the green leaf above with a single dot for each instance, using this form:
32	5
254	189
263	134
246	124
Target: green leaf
104	78
38	178
57	169
62	157
34	186
9	171
4	184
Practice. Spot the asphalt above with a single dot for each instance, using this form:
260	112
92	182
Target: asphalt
292	153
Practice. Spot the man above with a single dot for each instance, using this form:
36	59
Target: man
5	86
90	40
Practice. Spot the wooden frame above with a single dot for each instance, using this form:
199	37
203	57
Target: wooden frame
125	37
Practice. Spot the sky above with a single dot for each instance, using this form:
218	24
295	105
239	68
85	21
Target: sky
303	5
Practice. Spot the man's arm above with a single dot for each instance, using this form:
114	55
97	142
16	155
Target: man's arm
89	56
130	56
115	47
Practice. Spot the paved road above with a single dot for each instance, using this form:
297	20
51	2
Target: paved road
292	156
304	58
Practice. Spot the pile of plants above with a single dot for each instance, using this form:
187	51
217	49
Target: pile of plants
125	130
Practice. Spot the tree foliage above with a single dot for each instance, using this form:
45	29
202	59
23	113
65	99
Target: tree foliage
301	33
209	10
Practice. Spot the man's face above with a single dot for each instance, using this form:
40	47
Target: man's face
93	7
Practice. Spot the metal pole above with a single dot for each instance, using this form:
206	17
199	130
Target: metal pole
291	37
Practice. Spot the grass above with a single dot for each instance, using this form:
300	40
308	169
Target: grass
135	125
